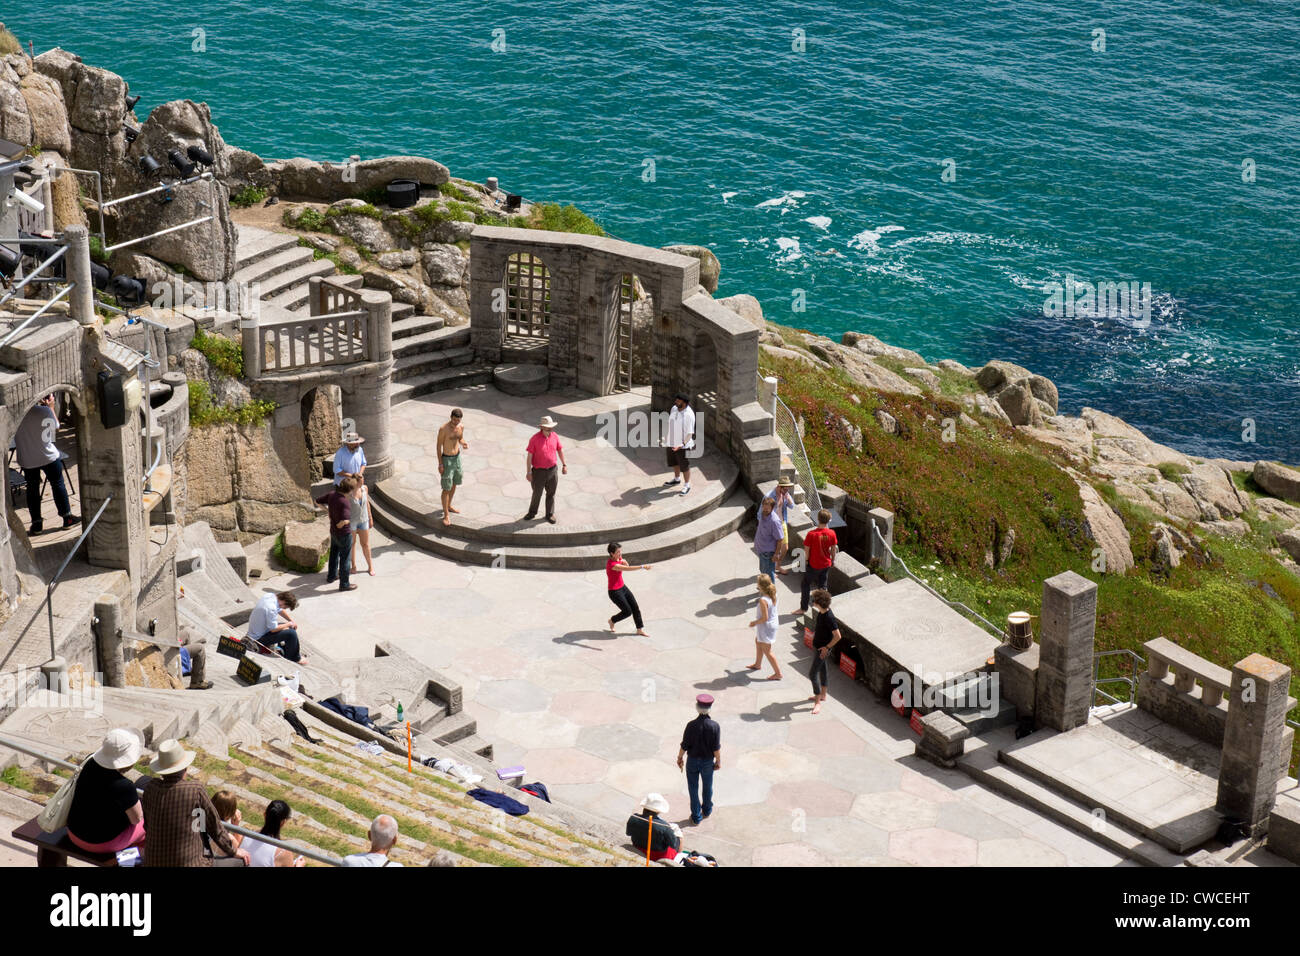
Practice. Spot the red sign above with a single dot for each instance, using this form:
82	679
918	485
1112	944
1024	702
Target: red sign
916	721
849	666
807	637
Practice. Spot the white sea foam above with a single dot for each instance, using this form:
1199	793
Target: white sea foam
869	239
789	249
786	201
821	222
727	196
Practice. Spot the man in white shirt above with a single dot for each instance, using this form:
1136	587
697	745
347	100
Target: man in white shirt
37	455
350	459
383	837
681	438
271	624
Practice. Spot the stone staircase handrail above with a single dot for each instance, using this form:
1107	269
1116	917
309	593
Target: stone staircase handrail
1188	669
329	297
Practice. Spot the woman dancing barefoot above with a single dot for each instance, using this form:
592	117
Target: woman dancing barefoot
619	592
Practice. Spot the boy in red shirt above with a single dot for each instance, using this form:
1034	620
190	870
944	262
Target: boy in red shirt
819	547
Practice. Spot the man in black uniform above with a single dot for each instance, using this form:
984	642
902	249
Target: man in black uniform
701	749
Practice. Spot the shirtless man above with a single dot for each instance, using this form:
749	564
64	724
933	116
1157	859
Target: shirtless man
451	440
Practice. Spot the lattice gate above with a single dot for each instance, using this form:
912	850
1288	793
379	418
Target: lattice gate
528	296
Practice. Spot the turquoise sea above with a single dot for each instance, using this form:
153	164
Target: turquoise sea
806	142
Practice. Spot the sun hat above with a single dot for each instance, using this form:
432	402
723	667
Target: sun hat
352	438
547	422
120	749
172	758
784	482
655	803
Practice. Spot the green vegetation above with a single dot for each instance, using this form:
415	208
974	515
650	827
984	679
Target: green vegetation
204	412
277	552
453	191
305	218
226	355
559	218
1172	471
248	196
97	250
9	43
361	209
333	257
954	501
18	778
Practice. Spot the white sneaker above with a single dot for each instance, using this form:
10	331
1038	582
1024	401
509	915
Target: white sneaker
686	489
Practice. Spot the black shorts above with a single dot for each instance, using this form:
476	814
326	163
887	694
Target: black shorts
677	458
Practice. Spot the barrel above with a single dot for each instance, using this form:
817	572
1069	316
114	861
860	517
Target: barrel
403	193
1020	630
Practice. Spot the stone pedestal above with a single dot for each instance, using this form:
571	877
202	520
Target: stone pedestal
1252	741
883	521
1017	670
108	640
1064	683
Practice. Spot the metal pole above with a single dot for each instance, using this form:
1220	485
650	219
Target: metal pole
54	582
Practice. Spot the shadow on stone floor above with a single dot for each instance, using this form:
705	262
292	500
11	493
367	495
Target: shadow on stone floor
577	638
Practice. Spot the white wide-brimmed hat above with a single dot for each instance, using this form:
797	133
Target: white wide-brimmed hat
172	758
784	482
547	422
352	438
655	803
121	748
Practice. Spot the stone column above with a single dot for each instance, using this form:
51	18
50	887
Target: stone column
1253	740
81	300
1069	619
108	640
486	299
883	521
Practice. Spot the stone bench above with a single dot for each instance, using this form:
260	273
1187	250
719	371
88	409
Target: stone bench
54	849
943	738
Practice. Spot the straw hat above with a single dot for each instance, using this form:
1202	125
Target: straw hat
352	438
655	803
547	422
172	758
120	749
784	482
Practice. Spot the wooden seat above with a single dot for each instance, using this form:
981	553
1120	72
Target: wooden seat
53	849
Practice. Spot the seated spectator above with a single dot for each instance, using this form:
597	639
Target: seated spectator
194	648
265	854
177	811
227	805
665	838
106	815
383	837
272	625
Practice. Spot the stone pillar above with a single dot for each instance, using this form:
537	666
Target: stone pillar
882	521
767	398
1069	618
366	402
108	640
81	300
1253	740
486	299
379	332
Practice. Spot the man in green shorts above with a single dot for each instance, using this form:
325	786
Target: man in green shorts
451	439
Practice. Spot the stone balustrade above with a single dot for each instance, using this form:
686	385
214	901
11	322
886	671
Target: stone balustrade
1185	690
1188	669
344	327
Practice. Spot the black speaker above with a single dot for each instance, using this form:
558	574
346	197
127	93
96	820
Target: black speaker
112	401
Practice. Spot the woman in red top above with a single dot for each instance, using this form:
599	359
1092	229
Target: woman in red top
618	591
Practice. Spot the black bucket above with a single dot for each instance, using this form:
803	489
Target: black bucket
403	193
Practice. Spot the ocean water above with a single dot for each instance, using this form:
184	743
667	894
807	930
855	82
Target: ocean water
807	141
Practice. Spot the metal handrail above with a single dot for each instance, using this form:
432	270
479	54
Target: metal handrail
35	315
54	581
242	831
802	466
955	605
35	272
1132	681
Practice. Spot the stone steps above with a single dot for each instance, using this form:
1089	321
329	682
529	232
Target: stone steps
426	383
981	761
681	539
282	289
430	343
412	325
256	245
413	365
294	299
266	269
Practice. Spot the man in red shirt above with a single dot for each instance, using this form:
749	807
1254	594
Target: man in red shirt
819	547
540	458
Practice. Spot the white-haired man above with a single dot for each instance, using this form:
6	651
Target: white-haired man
383	837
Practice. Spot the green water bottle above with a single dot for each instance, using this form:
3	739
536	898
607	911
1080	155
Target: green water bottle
400	719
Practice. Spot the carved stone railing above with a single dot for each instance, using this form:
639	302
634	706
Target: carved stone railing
1201	712
345	327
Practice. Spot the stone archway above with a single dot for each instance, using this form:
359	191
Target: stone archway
321	427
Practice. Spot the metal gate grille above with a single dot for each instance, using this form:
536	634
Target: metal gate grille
528	296
623	334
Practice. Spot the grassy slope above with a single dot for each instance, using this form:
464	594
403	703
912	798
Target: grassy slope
952	498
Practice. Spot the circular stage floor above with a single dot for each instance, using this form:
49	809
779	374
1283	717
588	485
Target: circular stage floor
616	465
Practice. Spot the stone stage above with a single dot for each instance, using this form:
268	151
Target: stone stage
613	490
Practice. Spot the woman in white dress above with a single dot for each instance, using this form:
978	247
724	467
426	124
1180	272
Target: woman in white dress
264	854
765	623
